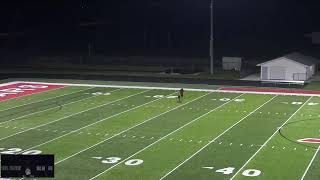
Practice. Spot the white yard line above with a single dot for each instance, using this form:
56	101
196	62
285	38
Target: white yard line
93	124
269	139
72	115
50	108
165	137
313	158
217	138
131	128
166	88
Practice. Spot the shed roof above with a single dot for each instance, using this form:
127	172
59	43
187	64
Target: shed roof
296	57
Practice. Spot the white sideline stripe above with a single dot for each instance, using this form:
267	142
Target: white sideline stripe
48	108
165	136
45	99
72	115
9	83
74	131
217	138
166	88
270	138
313	158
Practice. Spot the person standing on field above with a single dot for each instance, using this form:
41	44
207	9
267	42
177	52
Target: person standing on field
179	97
181	92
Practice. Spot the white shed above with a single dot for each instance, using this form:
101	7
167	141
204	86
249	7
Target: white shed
291	67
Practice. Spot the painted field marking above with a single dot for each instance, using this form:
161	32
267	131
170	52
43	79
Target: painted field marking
72	115
308	167
51	108
269	139
165	136
47	98
15	82
130	128
216	138
74	131
175	89
21	89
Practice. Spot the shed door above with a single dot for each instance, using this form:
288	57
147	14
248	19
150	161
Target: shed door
264	73
277	73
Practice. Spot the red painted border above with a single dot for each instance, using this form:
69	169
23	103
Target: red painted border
16	90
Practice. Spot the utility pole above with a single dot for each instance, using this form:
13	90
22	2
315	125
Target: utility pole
211	39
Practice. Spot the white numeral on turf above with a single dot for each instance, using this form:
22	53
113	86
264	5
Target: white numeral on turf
11	151
134	162
297	103
228	170
312	104
162	96
171	97
239	100
113	160
18	150
228	99
158	96
32	152
251	172
100	93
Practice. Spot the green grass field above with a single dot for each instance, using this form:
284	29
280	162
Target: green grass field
140	134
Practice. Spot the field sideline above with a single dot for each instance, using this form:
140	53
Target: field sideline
143	133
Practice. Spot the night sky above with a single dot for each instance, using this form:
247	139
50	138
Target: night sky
159	27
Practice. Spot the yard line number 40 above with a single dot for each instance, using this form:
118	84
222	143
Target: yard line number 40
248	172
230	170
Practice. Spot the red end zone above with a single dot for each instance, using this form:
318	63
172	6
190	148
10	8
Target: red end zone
23	89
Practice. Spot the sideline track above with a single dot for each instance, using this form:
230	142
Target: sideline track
223	90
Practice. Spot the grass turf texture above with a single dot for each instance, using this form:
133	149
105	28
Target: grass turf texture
130	134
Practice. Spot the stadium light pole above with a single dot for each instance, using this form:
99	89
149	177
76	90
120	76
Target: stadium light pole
211	38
